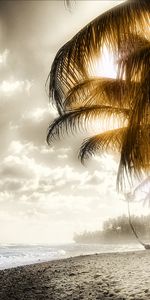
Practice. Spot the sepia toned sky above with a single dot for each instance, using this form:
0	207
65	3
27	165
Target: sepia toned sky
45	193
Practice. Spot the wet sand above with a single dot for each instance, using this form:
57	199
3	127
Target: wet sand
114	276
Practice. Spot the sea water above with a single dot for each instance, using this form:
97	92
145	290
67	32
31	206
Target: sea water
12	255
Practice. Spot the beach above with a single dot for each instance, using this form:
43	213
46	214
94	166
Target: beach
106	276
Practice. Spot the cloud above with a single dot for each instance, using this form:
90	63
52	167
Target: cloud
44	191
13	86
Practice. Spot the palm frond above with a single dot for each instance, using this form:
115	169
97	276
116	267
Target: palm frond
79	118
136	65
100	91
70	64
135	155
106	141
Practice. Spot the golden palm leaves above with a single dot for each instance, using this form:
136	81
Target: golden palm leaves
81	99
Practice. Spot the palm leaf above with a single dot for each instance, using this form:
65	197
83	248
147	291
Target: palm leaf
136	65
79	118
100	91
108	140
135	155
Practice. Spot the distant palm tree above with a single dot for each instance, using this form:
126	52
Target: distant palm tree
81	98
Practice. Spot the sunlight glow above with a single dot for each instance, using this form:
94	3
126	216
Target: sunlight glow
105	66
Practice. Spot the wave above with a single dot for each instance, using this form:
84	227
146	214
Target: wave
12	255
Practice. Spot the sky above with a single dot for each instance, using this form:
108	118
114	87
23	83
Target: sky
46	195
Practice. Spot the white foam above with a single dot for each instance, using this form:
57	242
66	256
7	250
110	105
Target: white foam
17	255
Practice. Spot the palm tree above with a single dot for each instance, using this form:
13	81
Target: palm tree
124	30
81	98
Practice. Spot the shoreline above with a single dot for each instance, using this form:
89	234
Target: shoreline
116	276
14	264
41	262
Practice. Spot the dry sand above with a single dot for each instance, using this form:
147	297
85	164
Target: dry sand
101	276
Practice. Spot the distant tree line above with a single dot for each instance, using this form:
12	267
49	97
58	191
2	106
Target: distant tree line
117	230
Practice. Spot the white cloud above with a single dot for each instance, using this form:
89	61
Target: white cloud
38	114
45	194
16	147
107	162
12	86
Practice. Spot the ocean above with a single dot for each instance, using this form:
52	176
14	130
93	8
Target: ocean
12	255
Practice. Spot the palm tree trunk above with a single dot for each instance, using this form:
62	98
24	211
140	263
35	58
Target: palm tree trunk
146	246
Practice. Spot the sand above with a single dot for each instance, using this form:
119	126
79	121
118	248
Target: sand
101	276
